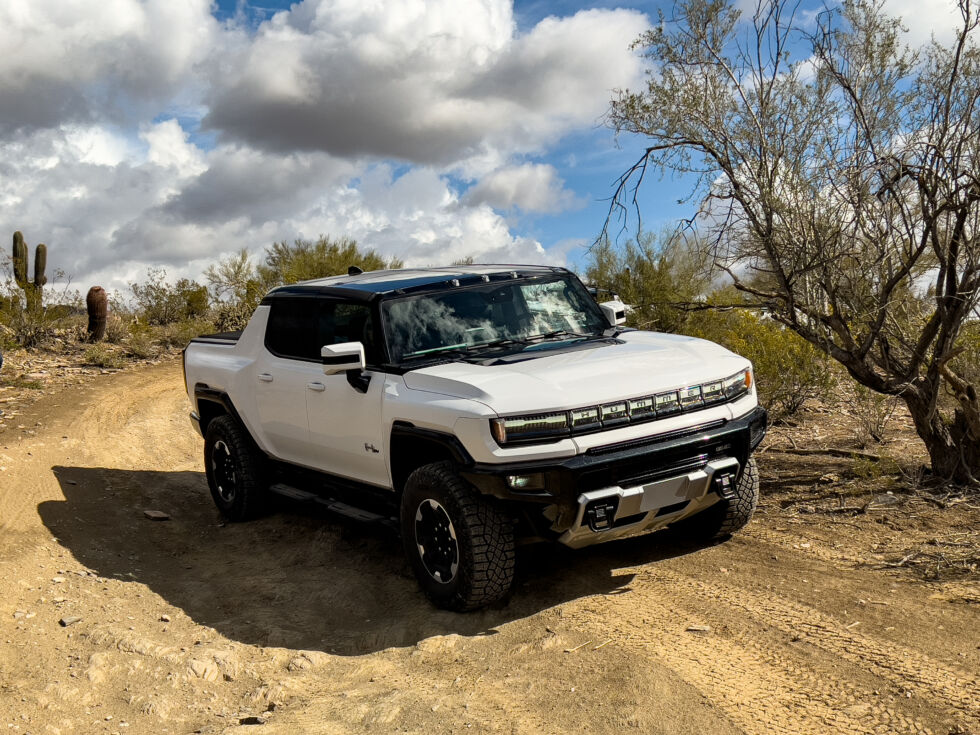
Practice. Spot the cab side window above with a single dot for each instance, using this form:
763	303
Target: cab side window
299	328
291	331
353	323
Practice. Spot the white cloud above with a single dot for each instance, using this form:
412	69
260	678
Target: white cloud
435	82
924	19
71	60
174	205
304	119
529	187
167	146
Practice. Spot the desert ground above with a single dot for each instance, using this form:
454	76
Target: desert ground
840	609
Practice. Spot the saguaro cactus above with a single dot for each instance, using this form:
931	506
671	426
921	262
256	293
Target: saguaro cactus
33	290
97	303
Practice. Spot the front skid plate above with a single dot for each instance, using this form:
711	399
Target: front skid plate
690	488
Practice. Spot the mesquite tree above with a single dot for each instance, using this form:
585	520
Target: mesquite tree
838	176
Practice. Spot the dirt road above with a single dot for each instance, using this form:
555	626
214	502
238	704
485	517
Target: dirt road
311	624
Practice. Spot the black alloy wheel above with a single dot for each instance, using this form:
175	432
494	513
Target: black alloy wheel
223	471
459	543
435	537
235	468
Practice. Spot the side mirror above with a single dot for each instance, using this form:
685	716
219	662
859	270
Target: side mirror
342	357
615	312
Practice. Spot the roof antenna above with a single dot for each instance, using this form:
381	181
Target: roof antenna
354	271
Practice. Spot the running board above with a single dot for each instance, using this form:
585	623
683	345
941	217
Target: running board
335	506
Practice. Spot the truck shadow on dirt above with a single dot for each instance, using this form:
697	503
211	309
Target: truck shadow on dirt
298	578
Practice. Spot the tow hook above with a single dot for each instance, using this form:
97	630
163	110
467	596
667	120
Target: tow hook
600	513
724	485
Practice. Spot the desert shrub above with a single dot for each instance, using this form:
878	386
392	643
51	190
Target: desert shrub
103	355
180	333
788	370
140	344
8	340
158	302
967	362
872	410
116	329
653	275
232	316
236	285
306	259
31	328
20	381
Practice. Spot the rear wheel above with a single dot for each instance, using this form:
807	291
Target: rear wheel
725	517
235	469
460	546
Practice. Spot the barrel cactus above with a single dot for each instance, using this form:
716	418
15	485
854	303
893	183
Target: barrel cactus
97	303
33	289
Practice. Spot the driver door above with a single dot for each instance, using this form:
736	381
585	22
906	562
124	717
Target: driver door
346	436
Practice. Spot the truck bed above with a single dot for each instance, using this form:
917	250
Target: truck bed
219	337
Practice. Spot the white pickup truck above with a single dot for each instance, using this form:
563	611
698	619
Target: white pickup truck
476	407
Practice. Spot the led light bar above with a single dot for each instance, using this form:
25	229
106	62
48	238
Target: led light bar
557	424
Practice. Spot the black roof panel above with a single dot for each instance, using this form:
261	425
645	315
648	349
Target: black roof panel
363	286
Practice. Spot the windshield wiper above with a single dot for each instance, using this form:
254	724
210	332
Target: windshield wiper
463	350
437	351
503	342
561	333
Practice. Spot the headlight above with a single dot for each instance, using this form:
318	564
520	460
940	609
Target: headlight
529	428
736	385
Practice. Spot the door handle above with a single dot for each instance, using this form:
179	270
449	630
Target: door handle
318	387
265	377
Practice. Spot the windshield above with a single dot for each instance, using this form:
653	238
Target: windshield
491	315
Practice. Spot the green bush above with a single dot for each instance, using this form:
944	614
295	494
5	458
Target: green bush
237	285
140	345
103	356
653	275
788	370
233	315
180	333
158	302
967	363
116	330
306	259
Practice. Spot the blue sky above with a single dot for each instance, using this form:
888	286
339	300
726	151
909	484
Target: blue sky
170	133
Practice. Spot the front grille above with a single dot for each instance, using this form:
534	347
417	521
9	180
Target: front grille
645	468
657	439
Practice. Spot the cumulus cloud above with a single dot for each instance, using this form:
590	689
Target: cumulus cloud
144	132
75	61
109	206
926	19
530	188
435	82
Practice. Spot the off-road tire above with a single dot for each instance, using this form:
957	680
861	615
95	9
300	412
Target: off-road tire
725	517
483	539
235	468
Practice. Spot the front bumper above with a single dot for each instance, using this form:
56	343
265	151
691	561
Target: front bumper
635	486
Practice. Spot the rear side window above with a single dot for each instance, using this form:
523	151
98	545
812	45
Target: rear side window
299	328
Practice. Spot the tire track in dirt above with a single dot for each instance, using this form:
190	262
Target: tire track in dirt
766	686
141	424
789	541
903	667
760	690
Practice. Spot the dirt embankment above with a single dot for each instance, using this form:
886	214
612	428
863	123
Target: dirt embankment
112	622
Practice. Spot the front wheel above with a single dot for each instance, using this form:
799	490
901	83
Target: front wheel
460	546
235	469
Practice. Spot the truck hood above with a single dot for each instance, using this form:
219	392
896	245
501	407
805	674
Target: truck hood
644	363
